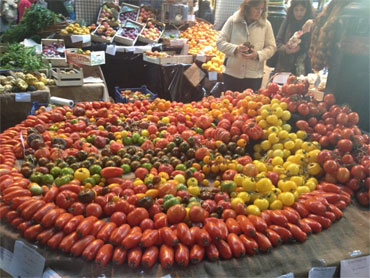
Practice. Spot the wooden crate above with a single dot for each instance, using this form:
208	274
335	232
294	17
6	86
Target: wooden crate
160	60
55	62
161	26
110	5
127	7
97	38
74	78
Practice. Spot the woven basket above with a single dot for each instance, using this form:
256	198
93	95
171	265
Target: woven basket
57	26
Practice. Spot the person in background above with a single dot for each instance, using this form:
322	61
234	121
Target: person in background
247	39
293	56
22	6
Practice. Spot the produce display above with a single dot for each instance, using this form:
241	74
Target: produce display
152	32
129	32
128	12
16	56
132	96
22	82
53	50
108	13
75	29
105	31
202	40
156	54
145	14
174	183
83	52
35	20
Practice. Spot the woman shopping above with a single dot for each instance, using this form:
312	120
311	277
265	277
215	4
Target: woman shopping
247	40
293	39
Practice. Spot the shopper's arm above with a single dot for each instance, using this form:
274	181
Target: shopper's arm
269	45
223	42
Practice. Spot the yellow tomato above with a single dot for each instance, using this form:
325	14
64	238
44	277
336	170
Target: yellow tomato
253	209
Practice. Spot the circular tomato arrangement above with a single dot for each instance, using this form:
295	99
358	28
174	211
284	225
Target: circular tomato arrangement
179	183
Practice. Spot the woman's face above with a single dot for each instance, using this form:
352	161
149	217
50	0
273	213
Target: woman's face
299	12
255	12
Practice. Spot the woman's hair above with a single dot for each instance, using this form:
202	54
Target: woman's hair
305	3
247	4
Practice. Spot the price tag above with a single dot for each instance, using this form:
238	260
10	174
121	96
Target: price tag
5	259
212	76
191	17
322	272
49	273
358	267
86	38
26	262
111	49
201	58
23	97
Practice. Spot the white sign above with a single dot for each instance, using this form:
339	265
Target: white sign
26	261
201	58
322	272
49	273
287	275
212	76
23	97
111	49
80	38
358	267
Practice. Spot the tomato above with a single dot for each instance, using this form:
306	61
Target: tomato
297	233
363	198
98	225
203	238
325	222
106	231
176	214
80	245
65	199
110	172
236	245
182	255
196	214
118	217
85	226
136	216
72	224
119	256
258	222
150	256
233	226
42	212
104	255
77	208
343	175
358	172
54	241
168	236
353	118
345	145
166	256
109	208
303	109
246	225
48	220
92	249
196	254
67	242
224	249
62	220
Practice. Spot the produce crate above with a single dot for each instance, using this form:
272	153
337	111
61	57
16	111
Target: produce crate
174	42
94	59
128	41
143	89
184	59
159	60
97	38
73	78
161	26
147	8
55	62
128	8
109	5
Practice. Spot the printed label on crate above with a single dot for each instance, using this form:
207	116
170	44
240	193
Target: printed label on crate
49	273
23	97
322	272
80	38
127	9
6	257
358	267
130	24
26	262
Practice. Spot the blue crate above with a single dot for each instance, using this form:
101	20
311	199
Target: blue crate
36	106
143	89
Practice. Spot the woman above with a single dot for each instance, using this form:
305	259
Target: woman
247	40
294	57
22	6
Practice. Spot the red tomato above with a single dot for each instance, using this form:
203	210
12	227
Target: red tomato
94	209
196	214
65	199
176	214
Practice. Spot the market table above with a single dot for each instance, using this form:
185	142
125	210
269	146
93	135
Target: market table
348	236
13	111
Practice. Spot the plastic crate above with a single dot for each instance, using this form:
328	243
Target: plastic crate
143	89
36	106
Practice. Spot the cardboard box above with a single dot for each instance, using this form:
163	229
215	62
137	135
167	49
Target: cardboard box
94	59
125	40
160	60
74	77
194	74
161	26
55	62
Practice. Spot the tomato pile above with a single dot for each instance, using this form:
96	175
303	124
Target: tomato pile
179	183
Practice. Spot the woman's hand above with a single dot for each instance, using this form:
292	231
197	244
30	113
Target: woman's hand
306	28
253	55
241	49
290	50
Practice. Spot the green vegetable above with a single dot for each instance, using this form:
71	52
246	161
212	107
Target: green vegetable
17	56
35	19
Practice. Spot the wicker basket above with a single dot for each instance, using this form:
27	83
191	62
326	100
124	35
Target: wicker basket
57	26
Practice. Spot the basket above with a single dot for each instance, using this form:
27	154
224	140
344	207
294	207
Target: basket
143	89
57	26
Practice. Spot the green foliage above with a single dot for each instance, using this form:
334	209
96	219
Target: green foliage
17	56
35	19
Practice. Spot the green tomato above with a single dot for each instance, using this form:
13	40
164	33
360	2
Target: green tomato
36	189
127	141
95	169
167	197
181	187
126	168
96	178
90	180
180	167
228	186
55	171
147	165
36	177
171	202
47	179
62	180
67	171
135	137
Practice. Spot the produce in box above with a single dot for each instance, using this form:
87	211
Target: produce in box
132	96
75	29
151	31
